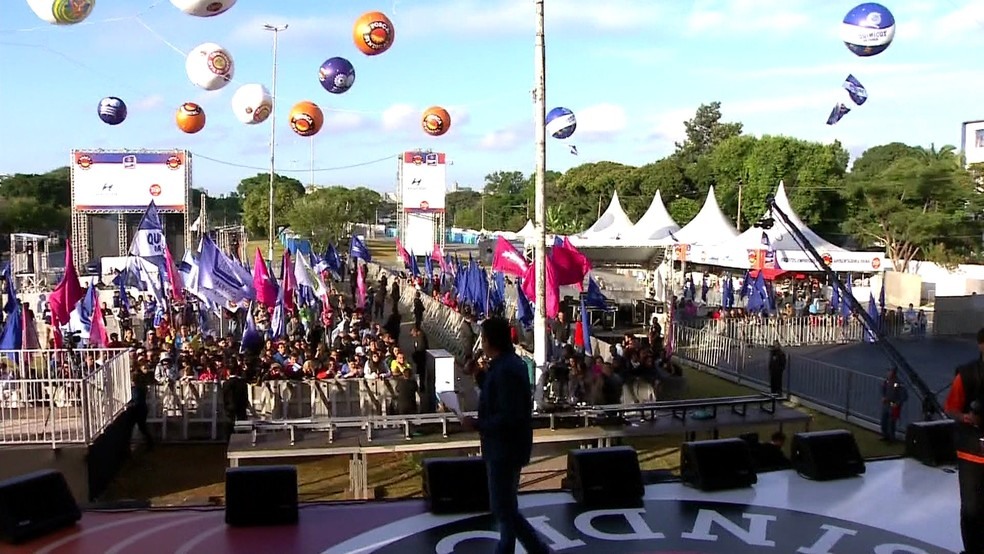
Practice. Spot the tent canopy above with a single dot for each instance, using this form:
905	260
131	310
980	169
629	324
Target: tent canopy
527	231
656	223
709	227
613	224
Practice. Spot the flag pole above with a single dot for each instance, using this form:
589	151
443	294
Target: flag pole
539	210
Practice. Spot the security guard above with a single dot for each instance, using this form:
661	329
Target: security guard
965	404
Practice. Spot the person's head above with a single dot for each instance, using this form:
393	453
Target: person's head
779	439
776	345
496	337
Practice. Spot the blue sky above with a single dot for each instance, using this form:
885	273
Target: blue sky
632	71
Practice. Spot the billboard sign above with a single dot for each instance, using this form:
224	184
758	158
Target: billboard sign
128	181
424	182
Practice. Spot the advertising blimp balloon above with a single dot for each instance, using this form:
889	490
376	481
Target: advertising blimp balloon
112	110
190	118
868	29
62	12
436	121
203	8
210	66
252	104
306	118
561	123
373	33
337	75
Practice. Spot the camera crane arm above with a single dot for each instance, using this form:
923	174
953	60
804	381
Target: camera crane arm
930	402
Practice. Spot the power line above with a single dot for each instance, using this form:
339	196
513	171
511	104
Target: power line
307	170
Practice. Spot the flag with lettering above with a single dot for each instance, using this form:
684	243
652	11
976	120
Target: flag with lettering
857	92
148	241
507	259
358	250
836	114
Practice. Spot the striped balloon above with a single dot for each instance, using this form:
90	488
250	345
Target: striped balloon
561	123
112	110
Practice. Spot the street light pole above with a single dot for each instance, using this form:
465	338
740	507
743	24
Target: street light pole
273	129
539	210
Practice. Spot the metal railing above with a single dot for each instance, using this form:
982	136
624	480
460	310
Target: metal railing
46	397
839	391
811	330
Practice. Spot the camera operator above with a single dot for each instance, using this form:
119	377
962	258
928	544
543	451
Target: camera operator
965	404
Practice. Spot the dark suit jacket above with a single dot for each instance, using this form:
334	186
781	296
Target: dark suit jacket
505	411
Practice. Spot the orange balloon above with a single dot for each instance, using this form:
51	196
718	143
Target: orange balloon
373	33
306	118
436	121
190	118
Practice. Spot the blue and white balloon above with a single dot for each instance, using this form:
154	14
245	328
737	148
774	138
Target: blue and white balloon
112	110
561	123
337	75
868	29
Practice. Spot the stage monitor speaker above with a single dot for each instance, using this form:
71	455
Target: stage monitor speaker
932	442
605	477
716	465
826	455
261	495
456	485
35	504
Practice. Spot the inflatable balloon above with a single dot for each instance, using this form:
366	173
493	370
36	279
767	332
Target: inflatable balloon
436	121
252	104
203	8
112	110
62	12
306	119
373	33
190	118
210	66
561	123
337	75
868	29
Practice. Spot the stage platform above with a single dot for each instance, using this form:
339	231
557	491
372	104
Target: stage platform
897	507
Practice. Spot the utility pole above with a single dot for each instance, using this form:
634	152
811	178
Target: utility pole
539	187
741	186
273	129
312	162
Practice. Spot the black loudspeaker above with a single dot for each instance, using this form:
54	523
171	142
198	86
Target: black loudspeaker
35	504
932	442
716	465
605	477
261	495
456	485
826	455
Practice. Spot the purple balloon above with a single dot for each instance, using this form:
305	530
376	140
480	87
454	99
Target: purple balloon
337	75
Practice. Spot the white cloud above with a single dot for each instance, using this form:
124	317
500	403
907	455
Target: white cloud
398	117
838	70
731	17
307	30
341	121
635	56
501	140
148	103
601	121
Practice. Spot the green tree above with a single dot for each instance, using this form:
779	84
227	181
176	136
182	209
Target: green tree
682	210
255	193
460	207
52	188
323	215
705	131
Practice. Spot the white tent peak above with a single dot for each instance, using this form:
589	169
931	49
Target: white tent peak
782	202
709	227
613	224
656	223
527	231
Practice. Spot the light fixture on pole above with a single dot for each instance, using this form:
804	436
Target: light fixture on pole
539	209
273	130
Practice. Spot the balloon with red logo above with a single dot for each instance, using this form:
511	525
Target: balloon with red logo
306	118
62	12
252	104
373	33
210	66
190	118
203	8
436	121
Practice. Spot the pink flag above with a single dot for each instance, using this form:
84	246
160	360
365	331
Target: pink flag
29	331
582	259
97	331
266	288
507	259
288	280
177	287
360	286
568	267
439	254
404	255
67	294
553	289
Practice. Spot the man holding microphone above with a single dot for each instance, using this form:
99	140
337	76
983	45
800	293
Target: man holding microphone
965	404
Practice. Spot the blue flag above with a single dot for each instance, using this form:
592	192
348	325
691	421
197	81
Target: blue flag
746	285
728	293
524	311
278	323
13	331
10	303
857	92
429	266
148	242
836	114
835	297
497	294
594	297
845	302
881	295
586	328
414	267
703	288
875	317
358	250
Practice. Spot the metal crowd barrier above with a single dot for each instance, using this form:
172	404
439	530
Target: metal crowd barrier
808	330
839	391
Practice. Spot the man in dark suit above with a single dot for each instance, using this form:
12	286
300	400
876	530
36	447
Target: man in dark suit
505	426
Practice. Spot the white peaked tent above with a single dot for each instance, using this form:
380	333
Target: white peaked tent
779	237
656	224
613	224
528	230
709	227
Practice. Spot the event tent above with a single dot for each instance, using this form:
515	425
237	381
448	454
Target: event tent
709	227
528	231
656	224
613	224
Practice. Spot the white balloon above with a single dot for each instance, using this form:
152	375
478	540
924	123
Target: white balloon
62	12
252	104
203	8
210	66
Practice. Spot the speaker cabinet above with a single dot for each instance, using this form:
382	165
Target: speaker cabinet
932	442
716	465
456	485
35	504
261	496
827	455
600	477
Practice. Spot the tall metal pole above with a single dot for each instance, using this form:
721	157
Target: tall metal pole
540	347
273	130
312	162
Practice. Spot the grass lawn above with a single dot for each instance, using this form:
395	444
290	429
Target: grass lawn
193	474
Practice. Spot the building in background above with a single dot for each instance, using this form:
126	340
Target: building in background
972	141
